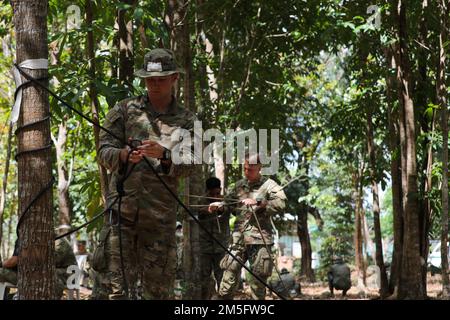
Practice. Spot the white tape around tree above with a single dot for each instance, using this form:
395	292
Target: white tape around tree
27	64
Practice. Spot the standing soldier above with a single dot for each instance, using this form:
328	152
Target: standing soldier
144	247
260	197
217	223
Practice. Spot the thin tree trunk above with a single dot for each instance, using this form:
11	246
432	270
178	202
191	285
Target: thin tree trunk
36	268
411	285
5	180
177	19
359	260
65	207
384	286
442	101
126	58
95	104
396	176
421	106
367	240
305	243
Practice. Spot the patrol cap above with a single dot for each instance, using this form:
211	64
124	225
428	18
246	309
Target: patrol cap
157	63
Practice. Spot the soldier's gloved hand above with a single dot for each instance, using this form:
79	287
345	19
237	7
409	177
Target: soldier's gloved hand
249	202
151	149
215	206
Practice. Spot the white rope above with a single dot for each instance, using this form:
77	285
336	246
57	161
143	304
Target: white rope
33	64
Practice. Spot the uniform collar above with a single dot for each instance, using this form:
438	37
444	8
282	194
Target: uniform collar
173	107
258	183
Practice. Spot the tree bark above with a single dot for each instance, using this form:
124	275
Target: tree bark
305	243
95	104
36	267
411	285
5	180
397	193
126	58
177	22
384	286
65	207
421	105
442	101
359	259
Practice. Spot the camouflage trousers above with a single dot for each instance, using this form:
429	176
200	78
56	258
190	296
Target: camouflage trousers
149	261
210	265
101	285
260	264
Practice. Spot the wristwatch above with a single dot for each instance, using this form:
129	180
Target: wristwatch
167	154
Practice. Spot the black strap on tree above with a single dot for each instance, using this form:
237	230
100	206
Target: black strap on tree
30	78
50	183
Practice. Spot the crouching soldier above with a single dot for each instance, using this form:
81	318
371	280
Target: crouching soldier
339	276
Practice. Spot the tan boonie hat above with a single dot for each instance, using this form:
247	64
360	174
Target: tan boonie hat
158	63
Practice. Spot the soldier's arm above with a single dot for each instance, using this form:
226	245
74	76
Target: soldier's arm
230	199
173	167
276	200
110	148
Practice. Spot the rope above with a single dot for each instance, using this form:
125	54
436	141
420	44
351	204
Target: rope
267	247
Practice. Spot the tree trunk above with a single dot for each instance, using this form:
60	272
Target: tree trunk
384	286
95	104
359	260
126	58
65	206
442	101
5	180
411	285
305	243
369	246
397	193
36	277
209	82
421	106
177	22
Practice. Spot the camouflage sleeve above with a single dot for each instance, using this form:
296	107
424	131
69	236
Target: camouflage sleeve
109	149
64	255
230	199
184	168
276	200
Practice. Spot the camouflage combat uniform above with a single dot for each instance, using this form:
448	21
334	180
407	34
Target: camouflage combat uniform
64	257
210	251
339	277
148	210
247	242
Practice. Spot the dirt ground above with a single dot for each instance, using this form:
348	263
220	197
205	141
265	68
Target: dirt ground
320	291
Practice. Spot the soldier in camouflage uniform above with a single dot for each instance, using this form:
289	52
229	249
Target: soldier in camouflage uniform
217	223
148	210
260	196
339	276
64	257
